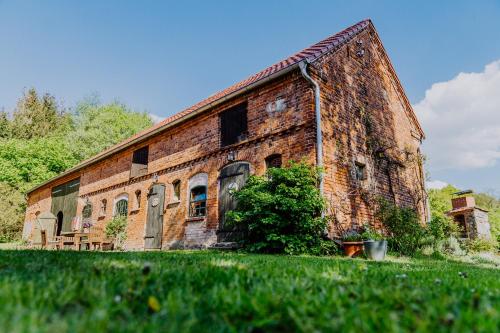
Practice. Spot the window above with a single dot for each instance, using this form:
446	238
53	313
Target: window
273	161
176	187
233	123
198	201
137	199
360	171
139	162
87	211
104	204
121	205
197	186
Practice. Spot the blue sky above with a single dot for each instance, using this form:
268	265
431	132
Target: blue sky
160	57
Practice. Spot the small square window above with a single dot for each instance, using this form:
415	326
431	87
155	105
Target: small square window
360	171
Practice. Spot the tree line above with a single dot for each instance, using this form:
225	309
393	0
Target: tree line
40	138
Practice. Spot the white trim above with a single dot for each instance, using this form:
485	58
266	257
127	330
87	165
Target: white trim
123	196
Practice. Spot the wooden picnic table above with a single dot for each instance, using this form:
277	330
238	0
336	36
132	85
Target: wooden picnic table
77	235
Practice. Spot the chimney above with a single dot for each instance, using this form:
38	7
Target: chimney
463	202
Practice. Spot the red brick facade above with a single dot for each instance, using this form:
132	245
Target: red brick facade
366	124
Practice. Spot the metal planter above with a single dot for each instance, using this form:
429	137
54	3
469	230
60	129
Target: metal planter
375	250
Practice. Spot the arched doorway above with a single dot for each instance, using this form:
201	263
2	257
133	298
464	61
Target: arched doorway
59	223
232	177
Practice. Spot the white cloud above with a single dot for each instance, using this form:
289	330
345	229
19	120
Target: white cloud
155	118
436	184
461	118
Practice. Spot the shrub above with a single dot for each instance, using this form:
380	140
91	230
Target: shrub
442	227
406	234
480	245
115	230
281	212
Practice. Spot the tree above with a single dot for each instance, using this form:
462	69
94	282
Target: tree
12	207
36	117
26	163
4	125
98	127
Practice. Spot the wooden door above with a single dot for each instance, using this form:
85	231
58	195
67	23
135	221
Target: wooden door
64	202
154	221
232	178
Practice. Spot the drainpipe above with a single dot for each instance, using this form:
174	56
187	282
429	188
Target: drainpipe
317	109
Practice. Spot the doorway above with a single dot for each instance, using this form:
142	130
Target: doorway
154	220
232	178
59	223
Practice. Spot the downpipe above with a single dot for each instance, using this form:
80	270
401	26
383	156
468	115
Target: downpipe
319	134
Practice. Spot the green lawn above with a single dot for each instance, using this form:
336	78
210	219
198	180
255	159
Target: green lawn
49	291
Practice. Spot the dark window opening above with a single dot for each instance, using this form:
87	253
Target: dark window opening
460	220
176	186
121	208
360	171
137	199
104	204
273	161
234	126
139	162
198	201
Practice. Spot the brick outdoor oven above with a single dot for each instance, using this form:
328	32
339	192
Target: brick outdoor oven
472	220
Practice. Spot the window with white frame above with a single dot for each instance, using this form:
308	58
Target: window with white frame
121	205
198	195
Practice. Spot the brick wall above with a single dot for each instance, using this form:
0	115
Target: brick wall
280	118
365	121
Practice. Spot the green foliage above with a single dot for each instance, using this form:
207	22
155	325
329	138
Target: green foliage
100	126
116	226
352	236
42	140
116	230
370	233
281	212
4	125
406	234
11	213
67	291
38	117
480	245
25	163
442	227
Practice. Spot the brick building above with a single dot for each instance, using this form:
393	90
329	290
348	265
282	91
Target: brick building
337	103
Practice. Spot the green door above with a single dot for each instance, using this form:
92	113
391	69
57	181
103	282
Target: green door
154	221
64	201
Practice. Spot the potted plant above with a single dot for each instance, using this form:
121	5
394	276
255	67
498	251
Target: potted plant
352	242
375	246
